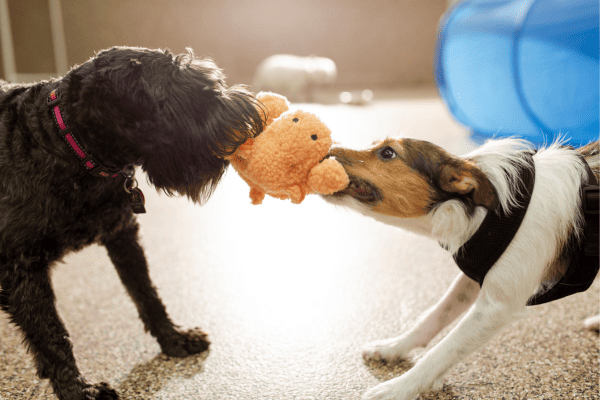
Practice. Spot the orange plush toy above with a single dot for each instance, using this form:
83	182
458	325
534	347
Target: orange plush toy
286	160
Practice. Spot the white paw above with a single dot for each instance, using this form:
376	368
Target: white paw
438	385
394	389
593	323
392	349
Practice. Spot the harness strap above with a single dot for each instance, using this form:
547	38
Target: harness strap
583	253
477	256
87	161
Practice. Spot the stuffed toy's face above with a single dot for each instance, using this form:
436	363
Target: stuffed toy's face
294	142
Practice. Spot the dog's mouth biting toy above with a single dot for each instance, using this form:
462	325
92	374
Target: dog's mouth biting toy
361	190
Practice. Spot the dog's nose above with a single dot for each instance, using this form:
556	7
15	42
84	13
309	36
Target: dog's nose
335	152
339	154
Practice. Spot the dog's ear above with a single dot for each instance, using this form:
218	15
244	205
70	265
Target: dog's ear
463	177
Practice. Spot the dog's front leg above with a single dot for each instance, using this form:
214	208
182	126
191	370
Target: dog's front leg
482	321
128	257
28	298
460	296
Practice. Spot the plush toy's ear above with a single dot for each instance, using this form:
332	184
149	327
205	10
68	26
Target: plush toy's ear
275	105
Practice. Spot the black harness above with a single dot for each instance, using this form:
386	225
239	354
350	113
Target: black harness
477	256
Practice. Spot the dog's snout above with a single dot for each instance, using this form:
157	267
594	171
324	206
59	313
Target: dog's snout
337	152
344	156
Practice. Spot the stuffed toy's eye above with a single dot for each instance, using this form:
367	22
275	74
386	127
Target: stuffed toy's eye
313	137
295	120
387	153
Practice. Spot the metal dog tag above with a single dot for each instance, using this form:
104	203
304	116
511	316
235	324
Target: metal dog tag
137	201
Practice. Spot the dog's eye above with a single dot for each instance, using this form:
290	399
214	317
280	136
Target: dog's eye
295	120
387	153
313	137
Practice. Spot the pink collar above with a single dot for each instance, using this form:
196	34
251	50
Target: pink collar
87	161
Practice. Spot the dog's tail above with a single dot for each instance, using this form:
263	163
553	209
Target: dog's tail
591	153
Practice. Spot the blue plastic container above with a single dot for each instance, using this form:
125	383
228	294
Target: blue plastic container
526	68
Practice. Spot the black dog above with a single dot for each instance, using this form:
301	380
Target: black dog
67	152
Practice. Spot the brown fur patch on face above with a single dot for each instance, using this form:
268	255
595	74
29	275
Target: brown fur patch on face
406	178
381	179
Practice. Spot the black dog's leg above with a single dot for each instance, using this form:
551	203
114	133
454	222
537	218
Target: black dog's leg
128	257
28	298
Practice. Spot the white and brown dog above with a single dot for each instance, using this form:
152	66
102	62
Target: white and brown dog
528	202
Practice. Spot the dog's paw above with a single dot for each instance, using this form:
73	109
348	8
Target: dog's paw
185	343
593	323
394	389
389	350
99	391
438	385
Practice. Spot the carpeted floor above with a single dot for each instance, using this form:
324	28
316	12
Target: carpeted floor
290	293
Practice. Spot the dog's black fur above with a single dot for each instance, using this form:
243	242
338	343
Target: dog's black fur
173	116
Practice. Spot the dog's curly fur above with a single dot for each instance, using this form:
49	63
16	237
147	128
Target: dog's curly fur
173	116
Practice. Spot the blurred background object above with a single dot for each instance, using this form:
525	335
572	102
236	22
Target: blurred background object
373	44
522	67
294	77
357	97
32	40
